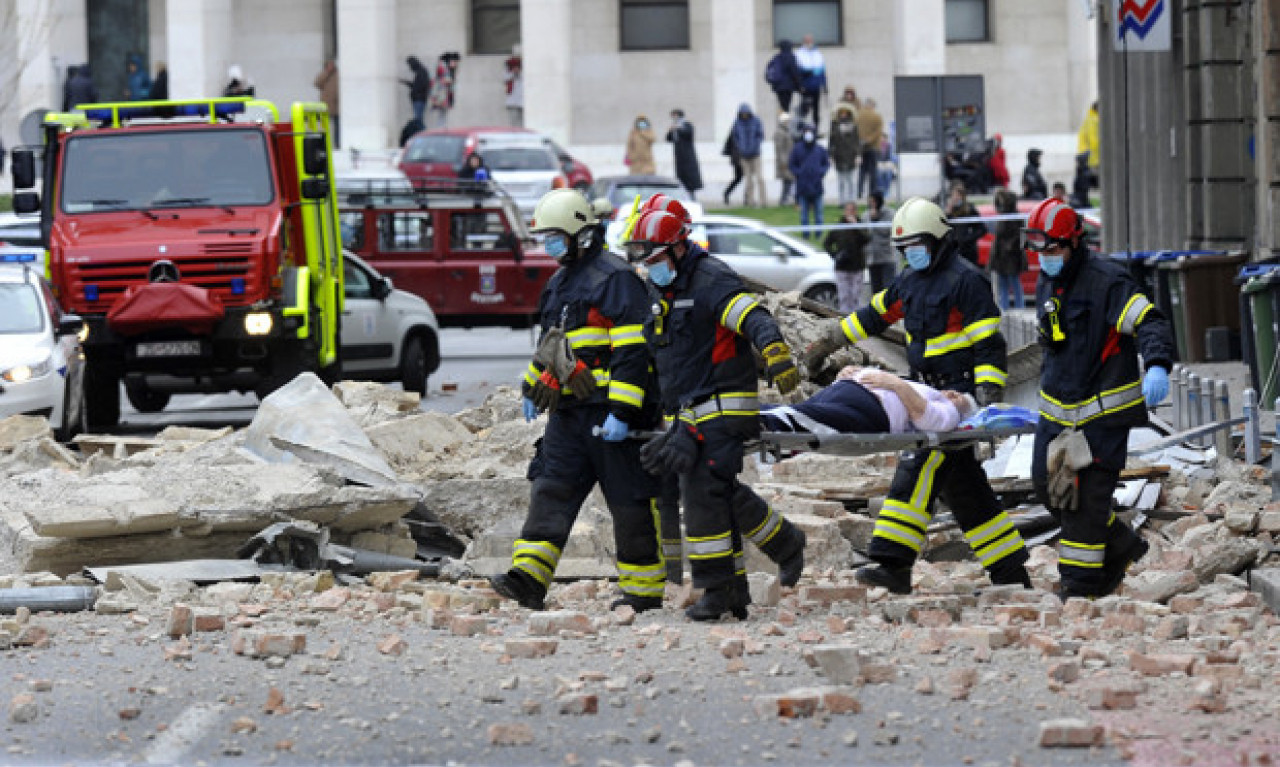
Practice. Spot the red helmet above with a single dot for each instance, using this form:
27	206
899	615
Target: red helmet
668	204
1051	221
654	231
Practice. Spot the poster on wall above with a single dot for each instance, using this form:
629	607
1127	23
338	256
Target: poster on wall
1142	25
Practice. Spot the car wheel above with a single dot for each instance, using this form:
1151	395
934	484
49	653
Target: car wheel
143	399
101	396
827	295
413	365
73	421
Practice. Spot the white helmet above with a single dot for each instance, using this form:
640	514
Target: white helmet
916	218
566	210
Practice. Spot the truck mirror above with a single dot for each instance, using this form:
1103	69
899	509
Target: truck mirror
315	156
26	202
313	189
24	169
382	288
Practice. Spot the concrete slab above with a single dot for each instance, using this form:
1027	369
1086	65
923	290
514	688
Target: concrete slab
1266	582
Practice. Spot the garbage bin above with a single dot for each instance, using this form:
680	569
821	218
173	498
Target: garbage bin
1260	325
1202	295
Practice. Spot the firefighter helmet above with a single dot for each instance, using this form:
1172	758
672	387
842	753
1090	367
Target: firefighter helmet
669	204
654	232
916	219
1051	222
565	210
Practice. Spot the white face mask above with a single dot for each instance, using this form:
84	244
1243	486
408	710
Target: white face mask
808	137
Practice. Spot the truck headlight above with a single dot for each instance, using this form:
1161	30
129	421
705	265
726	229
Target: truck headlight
258	323
23	373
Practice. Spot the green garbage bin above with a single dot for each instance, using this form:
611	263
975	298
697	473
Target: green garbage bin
1202	295
1263	295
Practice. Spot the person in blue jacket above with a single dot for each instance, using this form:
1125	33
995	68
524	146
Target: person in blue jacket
809	163
137	82
748	137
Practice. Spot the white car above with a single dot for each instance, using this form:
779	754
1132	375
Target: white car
387	334
20	237
41	362
524	166
765	255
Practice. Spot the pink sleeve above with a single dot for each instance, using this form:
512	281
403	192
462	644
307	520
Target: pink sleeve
939	414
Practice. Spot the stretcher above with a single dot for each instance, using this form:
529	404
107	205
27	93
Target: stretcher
783	442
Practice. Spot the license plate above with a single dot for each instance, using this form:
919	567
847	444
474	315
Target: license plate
169	349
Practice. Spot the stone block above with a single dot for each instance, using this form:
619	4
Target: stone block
1160	585
1111	697
1070	733
579	704
765	589
402	441
530	648
510	734
1266	582
130	511
1172	627
552	622
391	581
181	621
260	644
840	663
1161	665
468	625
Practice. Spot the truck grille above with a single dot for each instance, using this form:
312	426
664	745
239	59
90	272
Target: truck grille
215	270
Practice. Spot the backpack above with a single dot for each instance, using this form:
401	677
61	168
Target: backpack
776	74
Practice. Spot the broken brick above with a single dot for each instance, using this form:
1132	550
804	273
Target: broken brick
552	622
510	734
1070	733
530	648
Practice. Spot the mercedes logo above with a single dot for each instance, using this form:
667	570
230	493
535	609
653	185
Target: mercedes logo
163	271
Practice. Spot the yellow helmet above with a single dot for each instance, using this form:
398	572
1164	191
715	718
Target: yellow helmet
566	210
918	217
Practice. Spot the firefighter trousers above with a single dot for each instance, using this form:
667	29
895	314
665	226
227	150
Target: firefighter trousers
713	540
959	479
669	527
569	462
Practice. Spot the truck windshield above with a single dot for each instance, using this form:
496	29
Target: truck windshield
130	171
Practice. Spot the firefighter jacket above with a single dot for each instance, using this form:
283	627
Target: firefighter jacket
1093	322
603	308
705	325
951	320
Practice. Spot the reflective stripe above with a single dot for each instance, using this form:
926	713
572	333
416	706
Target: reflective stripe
994	540
767	529
972	334
912	539
1132	314
588	336
710	546
682	303
736	311
643	571
739	563
641	588
877	303
732	403
1089	555
626	335
853	329
531	374
626	393
990	374
901	511
924	483
537	558
1000	548
982	329
539	572
989	531
672	548
545	549
1111	401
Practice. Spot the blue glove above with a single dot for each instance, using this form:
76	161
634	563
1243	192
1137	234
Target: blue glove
530	410
1155	385
614	430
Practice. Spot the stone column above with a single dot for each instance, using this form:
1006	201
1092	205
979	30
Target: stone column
367	70
733	64
546	26
200	46
919	37
1267	130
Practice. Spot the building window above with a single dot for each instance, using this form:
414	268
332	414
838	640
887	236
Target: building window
793	19
495	25
654	25
968	21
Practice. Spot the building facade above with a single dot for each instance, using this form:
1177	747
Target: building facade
591	66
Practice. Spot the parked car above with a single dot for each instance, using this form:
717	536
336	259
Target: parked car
774	258
464	248
387	334
41	362
525	168
1092	234
440	153
621	192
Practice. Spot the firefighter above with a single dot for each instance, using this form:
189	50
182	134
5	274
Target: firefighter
953	342
704	328
1093	322
592	372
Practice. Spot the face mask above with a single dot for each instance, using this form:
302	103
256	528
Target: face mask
557	245
808	137
642	124
918	257
661	274
1051	265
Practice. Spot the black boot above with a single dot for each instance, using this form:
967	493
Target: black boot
514	584
1113	570
716	602
1015	575
789	569
637	603
896	579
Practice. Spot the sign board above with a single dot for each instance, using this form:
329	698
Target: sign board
1142	25
940	114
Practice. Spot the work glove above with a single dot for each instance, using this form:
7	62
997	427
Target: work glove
614	430
988	393
830	338
545	392
555	354
1155	385
581	381
780	369
650	451
1068	453
676	453
530	409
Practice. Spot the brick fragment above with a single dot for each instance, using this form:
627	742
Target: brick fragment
1064	671
959	682
1046	644
510	734
1160	665
789	705
839	701
258	644
392	581
244	724
932	618
1172	627
552	622
392	645
1185	603
181	621
32	635
275	703
468	625
579	704
1078	608
732	648
209	620
530	648
129	713
23	709
828	595
1070	733
1007	614
1111	697
841	663
331	600
879	673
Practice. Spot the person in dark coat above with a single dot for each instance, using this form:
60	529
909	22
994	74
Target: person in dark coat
137	81
1008	260
419	88
966	234
79	88
237	83
160	85
681	137
783	75
1033	184
845	149
809	163
846	247
730	150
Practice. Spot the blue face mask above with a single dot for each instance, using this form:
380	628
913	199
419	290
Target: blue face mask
1051	265
918	257
557	245
661	274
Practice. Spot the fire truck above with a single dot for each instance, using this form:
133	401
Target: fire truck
198	240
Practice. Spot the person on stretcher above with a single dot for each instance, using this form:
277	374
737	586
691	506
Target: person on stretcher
869	401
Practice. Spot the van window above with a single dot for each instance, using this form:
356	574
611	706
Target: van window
405	230
475	231
446	149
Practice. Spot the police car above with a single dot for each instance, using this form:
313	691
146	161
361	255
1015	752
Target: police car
41	362
387	334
